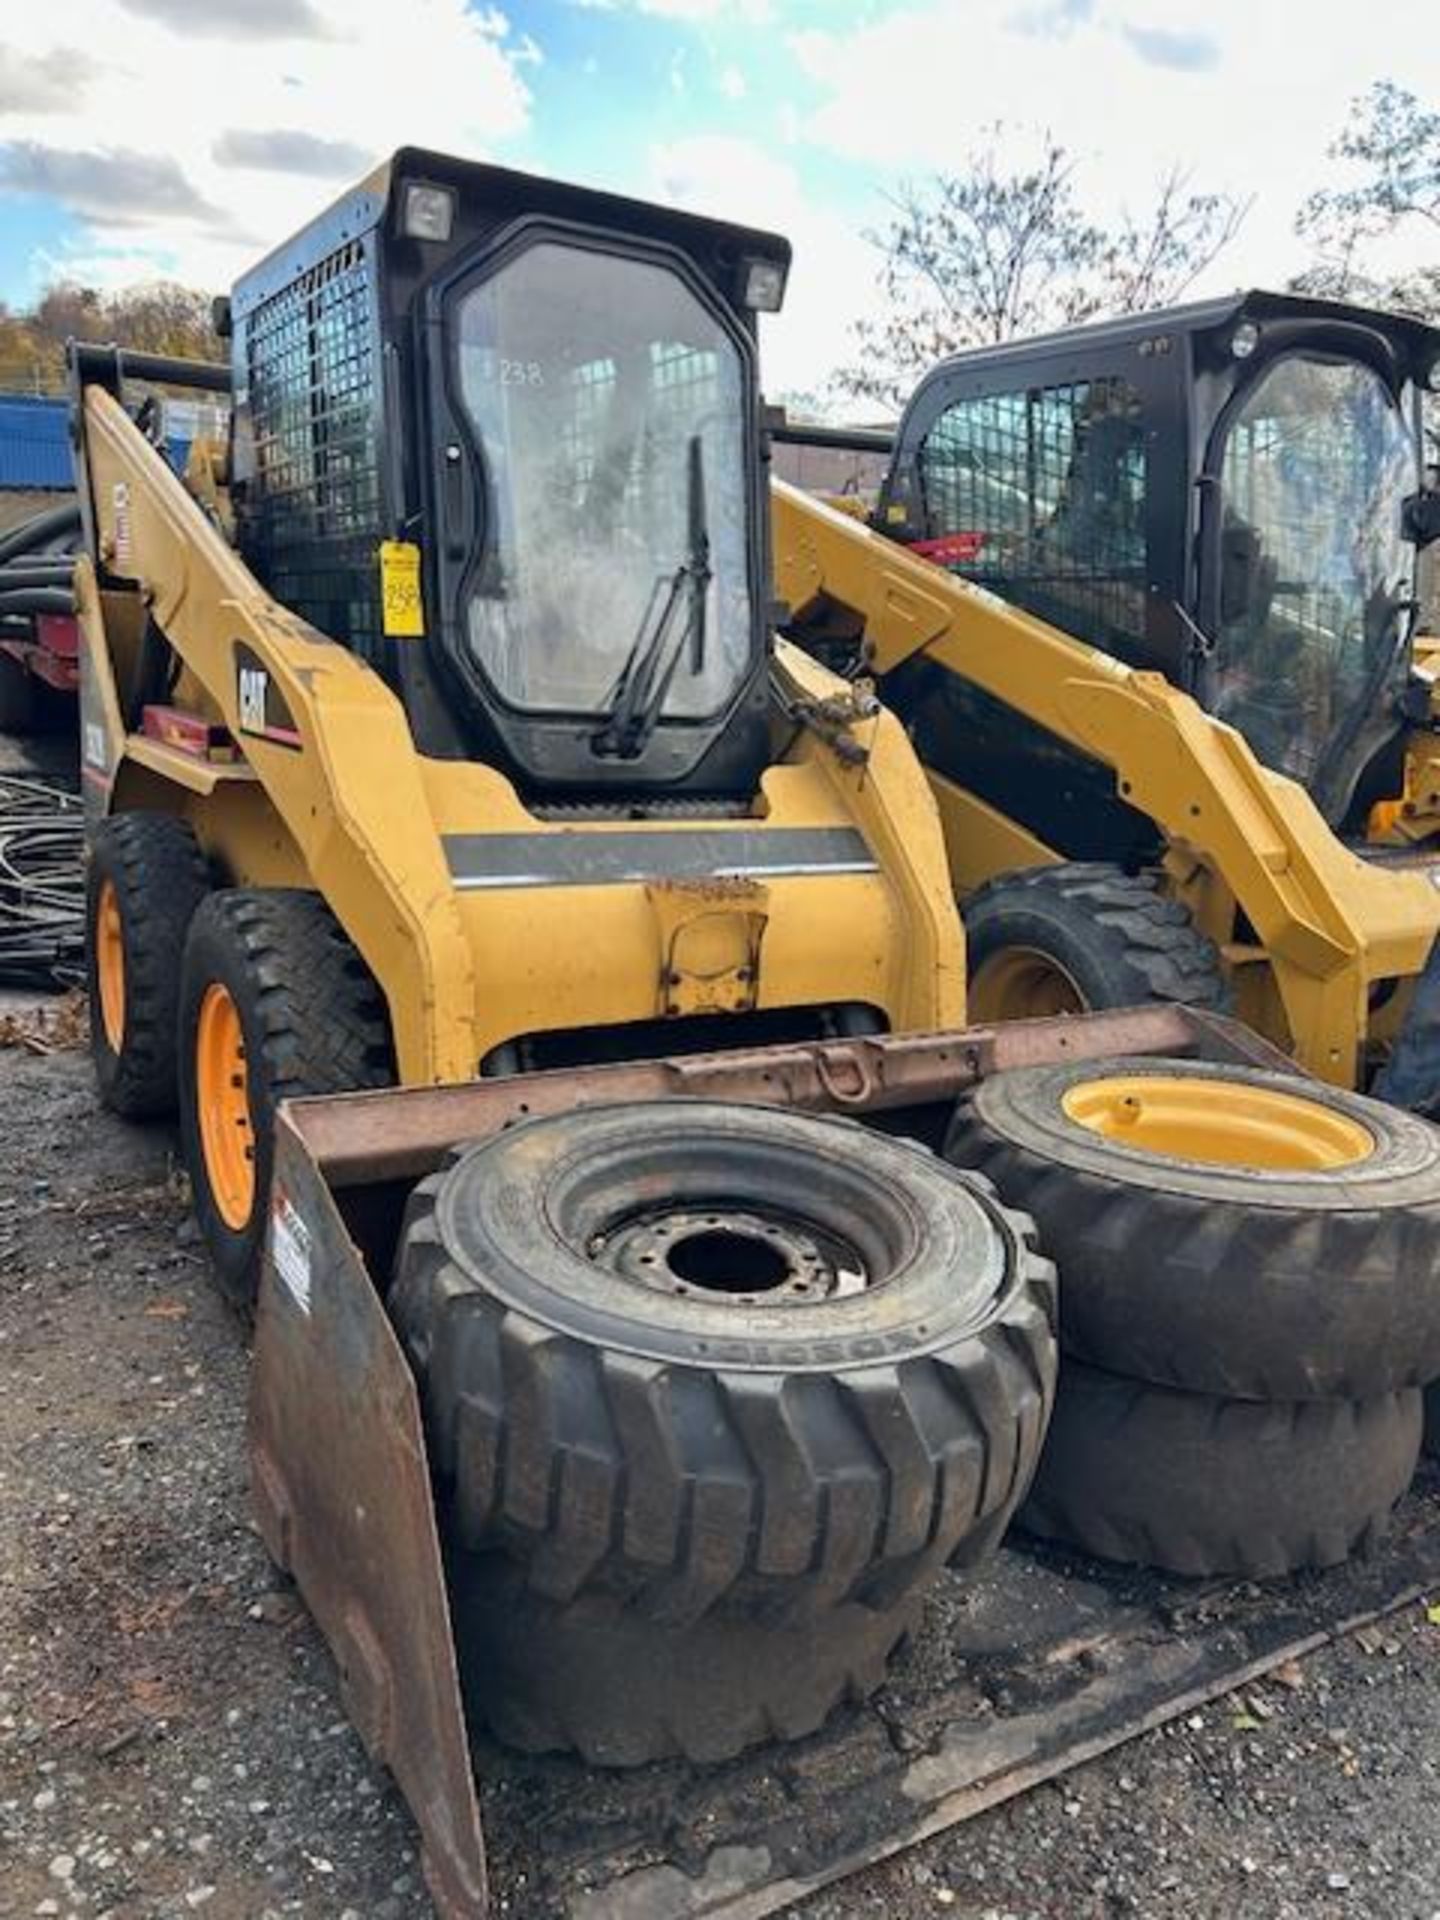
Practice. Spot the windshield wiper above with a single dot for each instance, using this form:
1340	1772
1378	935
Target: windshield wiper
637	699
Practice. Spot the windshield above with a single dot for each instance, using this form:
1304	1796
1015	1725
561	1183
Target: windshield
1314	573
597	386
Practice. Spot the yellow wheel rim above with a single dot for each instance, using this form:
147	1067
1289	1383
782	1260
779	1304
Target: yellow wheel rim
1021	983
222	1098
110	965
1225	1123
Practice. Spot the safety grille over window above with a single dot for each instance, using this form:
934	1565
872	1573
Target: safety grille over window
682	380
1040	494
313	516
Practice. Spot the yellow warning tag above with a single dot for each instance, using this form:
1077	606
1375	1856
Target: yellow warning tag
402	616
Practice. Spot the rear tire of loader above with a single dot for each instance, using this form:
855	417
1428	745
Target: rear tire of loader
1198	1485
274	1003
1192	1261
145	879
713	1394
1083	938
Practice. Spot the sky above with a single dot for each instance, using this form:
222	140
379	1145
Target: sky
145	139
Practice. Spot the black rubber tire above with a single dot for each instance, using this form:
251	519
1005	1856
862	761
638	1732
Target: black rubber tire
677	1477
1122	942
1223	1279
1431	1442
160	877
313	1021
1198	1485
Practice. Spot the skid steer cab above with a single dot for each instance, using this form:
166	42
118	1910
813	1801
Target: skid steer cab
1165	665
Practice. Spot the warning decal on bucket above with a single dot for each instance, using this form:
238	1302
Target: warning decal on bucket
290	1250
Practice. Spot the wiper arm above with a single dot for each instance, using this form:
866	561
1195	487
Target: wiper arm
637	698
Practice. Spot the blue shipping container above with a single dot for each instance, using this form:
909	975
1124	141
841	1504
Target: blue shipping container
34	443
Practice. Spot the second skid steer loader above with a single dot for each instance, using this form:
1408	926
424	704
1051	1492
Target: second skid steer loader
1144	595
557	979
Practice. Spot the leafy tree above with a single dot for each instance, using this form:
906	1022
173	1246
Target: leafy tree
993	251
159	318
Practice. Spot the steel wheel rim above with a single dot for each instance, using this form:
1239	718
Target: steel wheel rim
110	965
1022	983
749	1256
1222	1123
222	1100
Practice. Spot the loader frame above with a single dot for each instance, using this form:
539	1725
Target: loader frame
1043	1660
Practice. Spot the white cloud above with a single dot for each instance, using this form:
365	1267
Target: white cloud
339	78
727	12
731	82
833	273
1237	91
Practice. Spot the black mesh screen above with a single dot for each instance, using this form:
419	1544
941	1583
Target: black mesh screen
313	518
1040	495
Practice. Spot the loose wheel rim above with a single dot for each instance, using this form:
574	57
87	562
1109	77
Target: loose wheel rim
110	965
222	1099
1022	983
1223	1123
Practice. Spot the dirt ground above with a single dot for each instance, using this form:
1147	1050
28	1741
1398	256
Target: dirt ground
170	1736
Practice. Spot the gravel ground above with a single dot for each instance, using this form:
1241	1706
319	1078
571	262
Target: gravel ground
170	1736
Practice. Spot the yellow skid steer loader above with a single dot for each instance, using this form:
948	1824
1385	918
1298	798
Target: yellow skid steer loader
561	989
1144	594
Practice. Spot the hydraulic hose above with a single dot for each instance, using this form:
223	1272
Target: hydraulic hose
37	600
38	532
36	573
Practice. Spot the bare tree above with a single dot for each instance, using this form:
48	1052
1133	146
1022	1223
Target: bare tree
1152	262
1391	151
992	252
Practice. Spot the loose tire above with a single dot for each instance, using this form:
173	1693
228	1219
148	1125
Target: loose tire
1195	1484
722	1389
146	877
274	1003
1190	1262
1080	938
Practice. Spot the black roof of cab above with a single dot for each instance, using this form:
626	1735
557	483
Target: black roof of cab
1407	343
490	198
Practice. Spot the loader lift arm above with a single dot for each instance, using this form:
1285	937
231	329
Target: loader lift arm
1331	924
371	844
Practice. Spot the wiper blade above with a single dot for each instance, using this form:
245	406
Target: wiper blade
637	698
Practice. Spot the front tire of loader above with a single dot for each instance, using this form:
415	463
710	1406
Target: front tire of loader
713	1394
1083	938
274	1003
146	878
